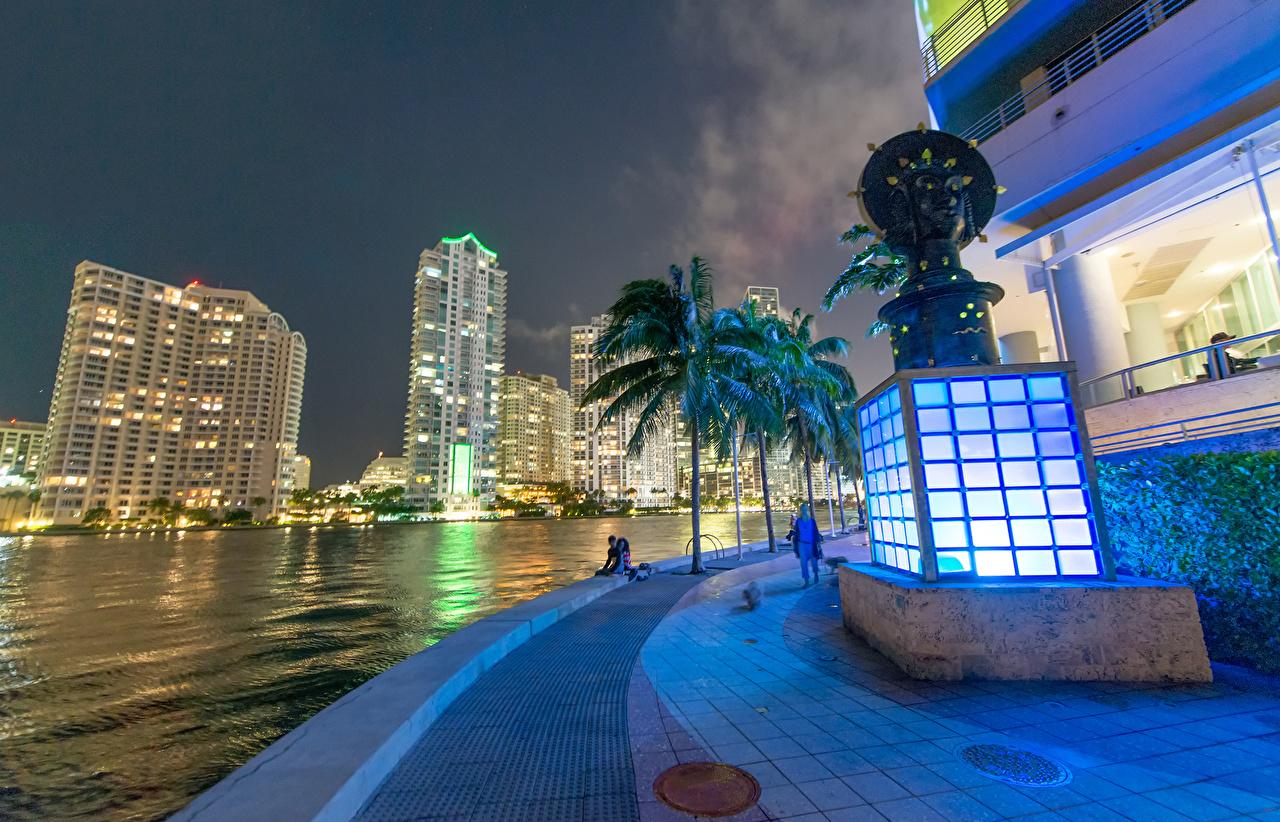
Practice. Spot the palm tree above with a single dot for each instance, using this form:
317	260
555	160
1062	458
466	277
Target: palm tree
813	386
873	267
761	420
160	507
668	356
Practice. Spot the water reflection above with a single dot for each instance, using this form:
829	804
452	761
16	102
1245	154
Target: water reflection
137	670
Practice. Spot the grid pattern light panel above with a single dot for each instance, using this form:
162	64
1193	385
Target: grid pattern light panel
895	536
1005	477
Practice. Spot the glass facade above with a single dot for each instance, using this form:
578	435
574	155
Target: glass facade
1249	304
1003	485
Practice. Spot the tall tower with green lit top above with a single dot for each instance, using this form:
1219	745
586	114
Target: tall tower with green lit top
455	366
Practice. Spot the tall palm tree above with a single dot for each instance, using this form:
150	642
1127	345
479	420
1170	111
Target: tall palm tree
667	355
813	386
762	420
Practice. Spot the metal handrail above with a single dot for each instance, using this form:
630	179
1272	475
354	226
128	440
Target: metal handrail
1080	59
1186	432
719	549
1215	362
959	30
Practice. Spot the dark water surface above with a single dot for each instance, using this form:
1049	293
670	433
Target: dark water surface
135	671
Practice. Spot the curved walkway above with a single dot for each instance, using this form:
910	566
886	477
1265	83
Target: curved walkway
543	734
833	731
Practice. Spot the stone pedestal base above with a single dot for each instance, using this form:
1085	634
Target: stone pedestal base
1131	630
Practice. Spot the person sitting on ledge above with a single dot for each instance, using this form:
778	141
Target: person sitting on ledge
612	559
624	552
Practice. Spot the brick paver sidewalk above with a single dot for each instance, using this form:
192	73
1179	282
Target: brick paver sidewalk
543	735
833	731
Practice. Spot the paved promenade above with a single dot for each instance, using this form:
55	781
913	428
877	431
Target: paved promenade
543	735
577	723
833	731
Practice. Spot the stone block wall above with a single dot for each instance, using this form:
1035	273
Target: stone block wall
1131	630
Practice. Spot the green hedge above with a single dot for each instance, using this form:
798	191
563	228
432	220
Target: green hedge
1211	521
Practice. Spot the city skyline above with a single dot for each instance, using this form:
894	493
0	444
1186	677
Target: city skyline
313	172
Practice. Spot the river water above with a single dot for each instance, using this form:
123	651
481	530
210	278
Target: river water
137	670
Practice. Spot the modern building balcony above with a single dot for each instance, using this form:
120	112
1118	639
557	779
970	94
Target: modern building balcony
1155	88
974	52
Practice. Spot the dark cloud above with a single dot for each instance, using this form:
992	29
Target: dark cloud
309	152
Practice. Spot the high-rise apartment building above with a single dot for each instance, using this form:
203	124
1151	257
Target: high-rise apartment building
384	471
456	363
600	461
189	393
20	446
766	299
302	472
534	443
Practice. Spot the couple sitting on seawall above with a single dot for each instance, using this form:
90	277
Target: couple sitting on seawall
618	560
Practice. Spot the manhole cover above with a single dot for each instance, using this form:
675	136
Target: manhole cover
1016	766
707	789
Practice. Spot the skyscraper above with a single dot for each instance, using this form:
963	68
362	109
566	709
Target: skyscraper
766	299
456	363
302	472
20	446
533	430
191	394
600	461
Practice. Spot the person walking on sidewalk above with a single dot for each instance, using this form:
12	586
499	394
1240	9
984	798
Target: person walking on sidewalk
808	543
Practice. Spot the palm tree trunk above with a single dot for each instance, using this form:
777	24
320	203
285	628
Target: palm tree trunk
808	466
840	498
695	564
764	488
737	493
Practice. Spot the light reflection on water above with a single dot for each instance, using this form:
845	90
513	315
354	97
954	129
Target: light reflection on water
137	670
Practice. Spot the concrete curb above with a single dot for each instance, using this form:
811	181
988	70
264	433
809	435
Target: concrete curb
329	766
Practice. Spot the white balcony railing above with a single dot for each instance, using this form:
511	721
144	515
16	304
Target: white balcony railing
1078	61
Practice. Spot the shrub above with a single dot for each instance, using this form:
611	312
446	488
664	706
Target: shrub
1212	522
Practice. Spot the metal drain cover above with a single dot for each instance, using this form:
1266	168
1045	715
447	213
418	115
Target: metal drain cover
707	789
1016	766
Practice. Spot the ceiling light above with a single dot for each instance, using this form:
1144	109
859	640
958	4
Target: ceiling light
1173	315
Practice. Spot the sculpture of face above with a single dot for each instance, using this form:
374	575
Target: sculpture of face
940	208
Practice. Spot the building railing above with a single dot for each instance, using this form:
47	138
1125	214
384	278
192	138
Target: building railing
961	29
1207	364
1235	421
1078	61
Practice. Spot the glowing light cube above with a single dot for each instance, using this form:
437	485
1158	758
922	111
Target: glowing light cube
981	472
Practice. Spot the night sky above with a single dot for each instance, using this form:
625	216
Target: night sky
308	152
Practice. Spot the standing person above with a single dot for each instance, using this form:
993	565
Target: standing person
808	541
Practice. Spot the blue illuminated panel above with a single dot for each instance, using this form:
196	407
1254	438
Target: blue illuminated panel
1008	494
895	537
1004	486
